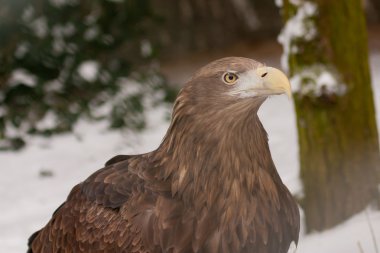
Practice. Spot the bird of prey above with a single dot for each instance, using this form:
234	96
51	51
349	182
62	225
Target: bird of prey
210	187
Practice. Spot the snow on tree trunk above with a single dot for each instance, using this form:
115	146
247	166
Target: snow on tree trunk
325	53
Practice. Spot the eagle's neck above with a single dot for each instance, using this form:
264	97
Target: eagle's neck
220	156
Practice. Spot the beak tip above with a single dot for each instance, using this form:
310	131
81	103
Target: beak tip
280	81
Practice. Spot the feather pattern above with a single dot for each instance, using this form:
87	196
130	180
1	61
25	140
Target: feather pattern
211	186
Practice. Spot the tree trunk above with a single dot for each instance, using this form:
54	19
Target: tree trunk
338	139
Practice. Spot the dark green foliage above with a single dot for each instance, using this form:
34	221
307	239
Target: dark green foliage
46	44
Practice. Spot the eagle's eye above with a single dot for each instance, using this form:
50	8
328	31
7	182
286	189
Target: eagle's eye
230	78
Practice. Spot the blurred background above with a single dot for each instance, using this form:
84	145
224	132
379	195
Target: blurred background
82	81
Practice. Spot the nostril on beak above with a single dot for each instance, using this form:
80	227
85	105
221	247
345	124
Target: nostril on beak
263	75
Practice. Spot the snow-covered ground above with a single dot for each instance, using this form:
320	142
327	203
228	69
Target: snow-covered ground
28	199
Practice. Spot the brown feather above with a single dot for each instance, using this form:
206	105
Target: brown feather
211	186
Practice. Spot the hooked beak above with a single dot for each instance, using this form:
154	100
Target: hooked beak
274	82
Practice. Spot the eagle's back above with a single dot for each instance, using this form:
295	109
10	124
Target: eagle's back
125	208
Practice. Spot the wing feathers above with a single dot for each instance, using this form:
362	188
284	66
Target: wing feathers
122	208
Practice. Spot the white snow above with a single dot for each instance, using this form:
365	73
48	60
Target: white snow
278	3
22	76
295	2
39	27
49	121
28	14
22	49
345	238
92	32
300	26
89	70
63	30
129	87
28	199
146	48
317	80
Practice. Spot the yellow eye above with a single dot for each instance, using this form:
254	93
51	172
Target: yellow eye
230	78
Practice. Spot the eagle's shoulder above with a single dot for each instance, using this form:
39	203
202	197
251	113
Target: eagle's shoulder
117	159
112	185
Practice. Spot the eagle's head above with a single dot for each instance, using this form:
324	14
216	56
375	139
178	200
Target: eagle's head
234	80
222	99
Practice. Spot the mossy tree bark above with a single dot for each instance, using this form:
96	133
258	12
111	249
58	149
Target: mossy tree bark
338	139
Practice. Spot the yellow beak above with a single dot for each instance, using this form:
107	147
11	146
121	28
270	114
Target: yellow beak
274	80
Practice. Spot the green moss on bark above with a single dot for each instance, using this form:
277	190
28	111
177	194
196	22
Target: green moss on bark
338	137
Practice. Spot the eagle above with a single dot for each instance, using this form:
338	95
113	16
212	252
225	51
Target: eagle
210	187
